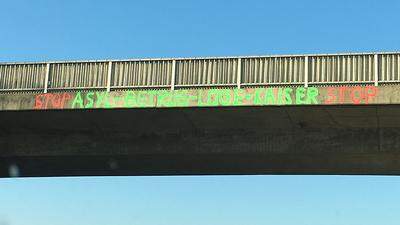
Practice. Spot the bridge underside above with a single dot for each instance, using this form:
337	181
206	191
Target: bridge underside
362	139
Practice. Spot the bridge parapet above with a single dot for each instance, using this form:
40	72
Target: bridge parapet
179	73
196	82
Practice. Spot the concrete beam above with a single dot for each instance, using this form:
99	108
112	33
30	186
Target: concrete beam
245	96
330	139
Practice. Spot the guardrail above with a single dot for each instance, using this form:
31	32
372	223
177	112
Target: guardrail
368	68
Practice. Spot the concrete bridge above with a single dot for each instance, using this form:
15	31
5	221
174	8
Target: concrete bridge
298	114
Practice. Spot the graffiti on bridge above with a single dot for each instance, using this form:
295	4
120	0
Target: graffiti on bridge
208	97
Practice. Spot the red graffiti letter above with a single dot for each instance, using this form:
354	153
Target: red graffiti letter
38	102
370	93
55	101
342	94
354	98
331	95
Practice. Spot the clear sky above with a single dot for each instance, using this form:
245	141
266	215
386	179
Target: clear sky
71	30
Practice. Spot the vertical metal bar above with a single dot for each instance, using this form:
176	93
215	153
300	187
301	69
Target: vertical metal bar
173	74
46	78
306	71
239	73
376	71
109	73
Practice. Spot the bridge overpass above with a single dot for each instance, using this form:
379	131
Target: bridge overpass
293	114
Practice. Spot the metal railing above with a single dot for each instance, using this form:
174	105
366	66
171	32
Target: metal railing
360	68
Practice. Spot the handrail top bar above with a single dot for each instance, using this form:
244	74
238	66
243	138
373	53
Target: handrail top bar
199	58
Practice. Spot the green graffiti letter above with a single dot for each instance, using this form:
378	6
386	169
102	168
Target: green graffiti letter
259	95
280	90
212	97
145	98
288	96
181	98
269	96
225	97
200	100
78	100
100	98
300	94
312	94
89	98
130	100
239	97
164	99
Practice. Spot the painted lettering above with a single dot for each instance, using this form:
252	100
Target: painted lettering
300	94
269	97
331	95
208	97
51	100
78	101
312	94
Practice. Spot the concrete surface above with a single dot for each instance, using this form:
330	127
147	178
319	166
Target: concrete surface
319	139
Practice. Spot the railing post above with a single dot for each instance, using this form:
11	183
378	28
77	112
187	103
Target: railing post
46	78
306	71
173	74
109	73
376	70
239	73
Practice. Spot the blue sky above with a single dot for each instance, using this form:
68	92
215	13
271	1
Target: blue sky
61	30
71	30
230	200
